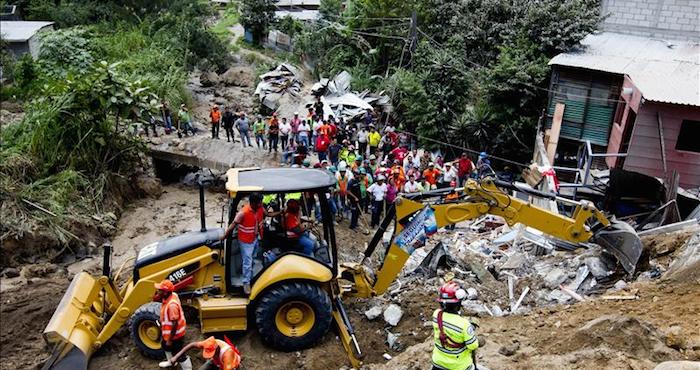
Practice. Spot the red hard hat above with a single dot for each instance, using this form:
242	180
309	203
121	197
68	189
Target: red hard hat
451	292
165	285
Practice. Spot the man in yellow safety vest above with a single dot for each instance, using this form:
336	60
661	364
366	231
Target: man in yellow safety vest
455	337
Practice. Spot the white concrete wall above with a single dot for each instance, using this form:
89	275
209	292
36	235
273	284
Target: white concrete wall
667	19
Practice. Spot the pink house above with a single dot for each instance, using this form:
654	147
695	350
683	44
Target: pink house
656	114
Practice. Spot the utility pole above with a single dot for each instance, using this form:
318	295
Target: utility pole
413	33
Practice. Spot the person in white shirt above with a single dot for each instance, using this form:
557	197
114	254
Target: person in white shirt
378	192
362	139
303	132
449	174
285	131
412	186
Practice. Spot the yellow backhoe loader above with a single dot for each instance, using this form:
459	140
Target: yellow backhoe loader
294	297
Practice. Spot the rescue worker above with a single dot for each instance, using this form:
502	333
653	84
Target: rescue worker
172	322
215	116
455	339
250	230
296	231
219	355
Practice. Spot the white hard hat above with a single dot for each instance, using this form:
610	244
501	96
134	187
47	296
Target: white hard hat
381	178
342	166
296	113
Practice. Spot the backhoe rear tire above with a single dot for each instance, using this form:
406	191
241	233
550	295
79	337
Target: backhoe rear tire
293	316
145	331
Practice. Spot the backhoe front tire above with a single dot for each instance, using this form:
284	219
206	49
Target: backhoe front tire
145	331
293	316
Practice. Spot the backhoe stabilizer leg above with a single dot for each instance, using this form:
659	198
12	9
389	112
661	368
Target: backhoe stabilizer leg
347	336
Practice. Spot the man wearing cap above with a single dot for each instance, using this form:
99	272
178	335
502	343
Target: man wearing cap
431	175
285	131
259	131
243	126
172	322
449	176
219	355
355	197
295	123
378	193
185	121
215	116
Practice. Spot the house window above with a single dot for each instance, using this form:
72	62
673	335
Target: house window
688	136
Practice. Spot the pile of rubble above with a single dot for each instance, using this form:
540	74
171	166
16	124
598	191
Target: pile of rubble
275	84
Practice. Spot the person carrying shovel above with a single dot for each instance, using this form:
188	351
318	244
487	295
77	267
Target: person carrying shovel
219	354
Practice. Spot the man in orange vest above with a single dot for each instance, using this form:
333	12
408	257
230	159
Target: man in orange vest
250	229
219	355
172	322
215	116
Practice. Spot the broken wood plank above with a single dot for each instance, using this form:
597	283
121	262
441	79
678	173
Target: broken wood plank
39	207
619	297
554	131
571	293
520	300
669	228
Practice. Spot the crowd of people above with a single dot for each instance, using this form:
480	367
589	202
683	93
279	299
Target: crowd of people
372	163
372	166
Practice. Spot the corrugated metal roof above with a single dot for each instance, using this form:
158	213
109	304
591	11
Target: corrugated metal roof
664	71
20	31
293	3
300	15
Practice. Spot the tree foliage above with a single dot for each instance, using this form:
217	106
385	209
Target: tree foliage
257	16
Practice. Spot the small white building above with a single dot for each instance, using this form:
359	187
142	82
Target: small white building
22	36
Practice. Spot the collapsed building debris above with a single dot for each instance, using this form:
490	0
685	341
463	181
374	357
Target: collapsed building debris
339	101
273	85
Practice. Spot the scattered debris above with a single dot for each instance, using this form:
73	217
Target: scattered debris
284	79
509	349
387	356
340	102
373	312
392	340
393	314
619	297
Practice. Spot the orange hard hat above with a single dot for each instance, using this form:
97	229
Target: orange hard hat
208	347
165	285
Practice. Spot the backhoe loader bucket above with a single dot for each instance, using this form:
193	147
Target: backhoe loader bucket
620	239
74	326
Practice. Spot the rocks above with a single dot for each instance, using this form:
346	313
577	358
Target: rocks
373	312
558	296
555	277
496	311
619	285
208	79
678	365
514	262
393	314
40	270
509	349
387	356
392	340
182	146
237	76
597	267
472	294
149	186
155	140
10	272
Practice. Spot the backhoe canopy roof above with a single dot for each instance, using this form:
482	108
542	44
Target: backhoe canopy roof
277	180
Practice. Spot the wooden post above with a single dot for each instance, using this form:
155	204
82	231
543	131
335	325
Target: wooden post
661	140
554	131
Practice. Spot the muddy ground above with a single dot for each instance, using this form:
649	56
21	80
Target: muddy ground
661	325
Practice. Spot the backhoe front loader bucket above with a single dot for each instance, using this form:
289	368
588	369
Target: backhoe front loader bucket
74	326
620	239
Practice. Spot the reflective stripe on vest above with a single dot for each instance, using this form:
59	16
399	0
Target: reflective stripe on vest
343	185
250	226
167	324
223	348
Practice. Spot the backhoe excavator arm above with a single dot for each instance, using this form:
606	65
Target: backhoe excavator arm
412	213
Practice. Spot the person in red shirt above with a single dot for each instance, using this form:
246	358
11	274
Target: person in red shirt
431	175
222	355
295	230
465	166
399	153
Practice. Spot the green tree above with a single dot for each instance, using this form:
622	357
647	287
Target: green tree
257	16
331	9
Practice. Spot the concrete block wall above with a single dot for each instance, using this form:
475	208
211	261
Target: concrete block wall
667	19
